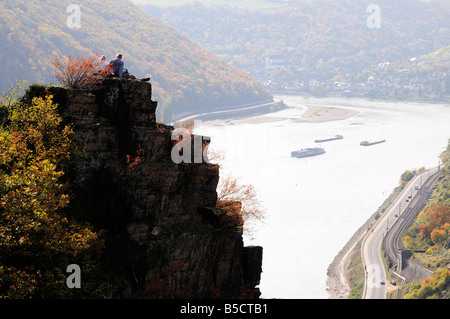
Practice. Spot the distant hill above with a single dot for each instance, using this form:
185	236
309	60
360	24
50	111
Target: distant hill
317	39
185	77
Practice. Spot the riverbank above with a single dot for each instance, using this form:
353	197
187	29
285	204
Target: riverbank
249	120
357	96
340	272
314	114
237	112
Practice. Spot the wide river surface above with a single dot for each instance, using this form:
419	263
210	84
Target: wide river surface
314	205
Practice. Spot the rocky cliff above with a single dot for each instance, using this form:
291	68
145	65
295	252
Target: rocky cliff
165	239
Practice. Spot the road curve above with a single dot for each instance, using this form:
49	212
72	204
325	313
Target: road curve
375	287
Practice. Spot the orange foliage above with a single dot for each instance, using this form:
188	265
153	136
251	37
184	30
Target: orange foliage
189	125
77	73
438	217
134	162
161	127
438	236
239	201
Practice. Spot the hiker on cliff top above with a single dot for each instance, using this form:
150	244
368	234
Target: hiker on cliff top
117	68
117	65
102	64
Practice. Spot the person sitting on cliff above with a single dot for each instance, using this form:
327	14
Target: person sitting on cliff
102	65
117	65
118	69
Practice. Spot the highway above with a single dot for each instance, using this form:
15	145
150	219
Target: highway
407	202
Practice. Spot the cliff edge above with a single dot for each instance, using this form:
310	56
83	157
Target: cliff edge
165	239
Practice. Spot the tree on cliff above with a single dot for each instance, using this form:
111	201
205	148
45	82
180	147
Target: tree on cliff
76	72
239	201
37	242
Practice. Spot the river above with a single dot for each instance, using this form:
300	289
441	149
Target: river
314	205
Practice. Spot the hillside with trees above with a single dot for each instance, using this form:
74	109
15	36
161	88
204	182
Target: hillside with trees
431	233
185	77
316	41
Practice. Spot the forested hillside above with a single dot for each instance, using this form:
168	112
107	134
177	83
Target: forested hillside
316	39
185	77
431	232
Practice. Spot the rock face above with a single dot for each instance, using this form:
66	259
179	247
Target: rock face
165	239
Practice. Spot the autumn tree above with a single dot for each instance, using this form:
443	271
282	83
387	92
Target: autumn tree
77	72
37	241
438	236
439	217
239	201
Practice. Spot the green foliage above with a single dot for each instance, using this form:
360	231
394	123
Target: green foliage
441	193
34	90
436	287
37	242
430	232
11	95
436	215
356	275
406	177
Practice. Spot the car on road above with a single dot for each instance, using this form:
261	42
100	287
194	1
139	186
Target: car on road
382	282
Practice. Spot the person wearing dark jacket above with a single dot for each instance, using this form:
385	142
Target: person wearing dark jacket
117	65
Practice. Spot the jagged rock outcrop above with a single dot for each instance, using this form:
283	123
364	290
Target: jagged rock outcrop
165	239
